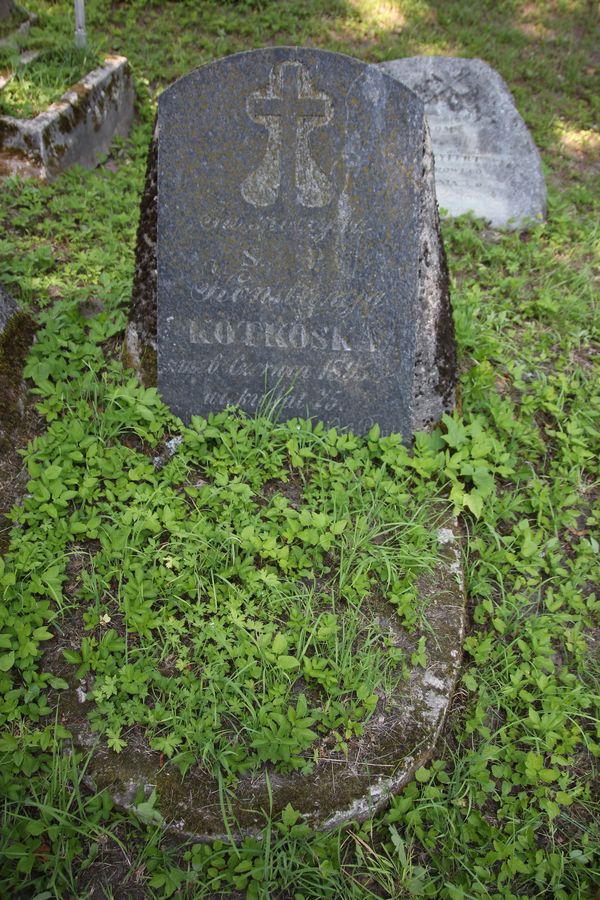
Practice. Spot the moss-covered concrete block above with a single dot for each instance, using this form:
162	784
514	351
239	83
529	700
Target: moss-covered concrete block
78	129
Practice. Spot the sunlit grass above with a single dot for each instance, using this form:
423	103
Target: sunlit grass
581	143
384	15
37	84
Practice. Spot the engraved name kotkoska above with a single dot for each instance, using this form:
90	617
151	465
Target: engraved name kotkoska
290	108
286	336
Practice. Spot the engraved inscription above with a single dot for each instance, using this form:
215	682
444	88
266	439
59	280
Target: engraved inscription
273	335
300	297
317	231
290	108
332	408
460	95
477	173
338	369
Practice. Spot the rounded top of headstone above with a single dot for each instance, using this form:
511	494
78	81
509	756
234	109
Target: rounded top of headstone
323	60
468	87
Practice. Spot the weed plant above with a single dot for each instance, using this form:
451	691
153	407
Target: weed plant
222	613
509	806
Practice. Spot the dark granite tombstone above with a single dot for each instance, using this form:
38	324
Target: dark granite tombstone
298	248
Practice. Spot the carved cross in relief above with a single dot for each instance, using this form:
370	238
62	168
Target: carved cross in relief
290	108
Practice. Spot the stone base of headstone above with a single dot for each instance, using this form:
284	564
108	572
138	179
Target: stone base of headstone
342	787
486	161
139	351
78	129
17	330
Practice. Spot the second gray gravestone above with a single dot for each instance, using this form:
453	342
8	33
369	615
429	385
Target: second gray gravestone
298	248
485	159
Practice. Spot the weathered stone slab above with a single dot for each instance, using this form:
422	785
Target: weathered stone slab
298	246
485	159
76	130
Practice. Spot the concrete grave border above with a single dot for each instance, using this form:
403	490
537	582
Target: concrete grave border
78	129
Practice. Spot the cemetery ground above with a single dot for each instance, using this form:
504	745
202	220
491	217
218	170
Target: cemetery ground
35	85
509	805
39	64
